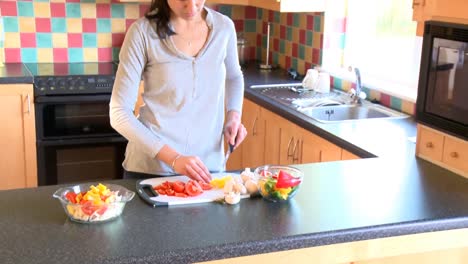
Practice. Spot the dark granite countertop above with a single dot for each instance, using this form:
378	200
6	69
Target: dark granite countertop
392	194
12	73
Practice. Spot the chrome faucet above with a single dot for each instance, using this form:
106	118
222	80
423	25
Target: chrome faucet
358	94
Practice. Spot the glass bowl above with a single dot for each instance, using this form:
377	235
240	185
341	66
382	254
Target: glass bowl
98	206
278	183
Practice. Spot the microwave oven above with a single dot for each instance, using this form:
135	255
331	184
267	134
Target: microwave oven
442	101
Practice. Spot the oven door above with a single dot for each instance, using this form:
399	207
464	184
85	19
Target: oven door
73	116
80	160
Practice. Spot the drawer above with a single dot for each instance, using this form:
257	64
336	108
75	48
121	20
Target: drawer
456	154
430	144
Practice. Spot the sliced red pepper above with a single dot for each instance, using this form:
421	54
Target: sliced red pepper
286	180
71	196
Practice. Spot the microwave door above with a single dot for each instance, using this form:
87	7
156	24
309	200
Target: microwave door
449	60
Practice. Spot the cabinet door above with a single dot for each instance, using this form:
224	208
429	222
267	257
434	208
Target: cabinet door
346	155
18	137
253	149
317	149
289	146
272	137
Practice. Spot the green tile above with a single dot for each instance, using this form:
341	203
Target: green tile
289	33
25	9
78	68
337	83
259	13
309	38
44	40
89	40
275	58
301	52
282	46
11	24
395	103
294	63
277	16
103	25
115	54
317	24
226	10
58	25
28	55
250	25
341	40
321	56
75	55
296	19
73	10
118	11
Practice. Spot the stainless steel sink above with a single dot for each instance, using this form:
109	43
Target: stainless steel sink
340	113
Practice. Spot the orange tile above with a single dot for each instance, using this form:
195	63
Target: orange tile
238	12
59	40
407	107
373	94
88	69
104	40
88	10
90	54
308	54
12	40
41	9
74	25
118	25
295	35
45	55
132	11
316	40
27	24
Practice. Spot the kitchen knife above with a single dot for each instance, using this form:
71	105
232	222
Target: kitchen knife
228	153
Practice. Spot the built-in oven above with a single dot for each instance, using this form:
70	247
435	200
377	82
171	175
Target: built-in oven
75	141
443	82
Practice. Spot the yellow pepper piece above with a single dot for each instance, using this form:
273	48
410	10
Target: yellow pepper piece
102	187
220	182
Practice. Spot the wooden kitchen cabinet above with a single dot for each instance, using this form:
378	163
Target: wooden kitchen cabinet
18	137
254	144
275	5
316	149
346	155
442	149
441	10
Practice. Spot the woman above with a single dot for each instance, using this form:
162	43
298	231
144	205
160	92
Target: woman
186	54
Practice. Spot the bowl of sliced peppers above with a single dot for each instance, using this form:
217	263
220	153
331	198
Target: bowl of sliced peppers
278	183
88	203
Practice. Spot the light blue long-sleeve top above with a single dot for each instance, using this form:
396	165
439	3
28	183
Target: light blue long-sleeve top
185	98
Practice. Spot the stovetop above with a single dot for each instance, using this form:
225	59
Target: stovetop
72	78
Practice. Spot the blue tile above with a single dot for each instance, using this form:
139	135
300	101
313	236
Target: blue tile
75	55
337	83
28	55
118	11
250	25
309	38
282	46
25	9
44	40
296	19
73	10
317	24
395	103
277	17
103	25
11	24
294	63
89	40
58	25
259	13
301	52
289	33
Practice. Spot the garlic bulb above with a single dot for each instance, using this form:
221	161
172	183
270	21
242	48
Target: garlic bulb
247	174
232	198
251	186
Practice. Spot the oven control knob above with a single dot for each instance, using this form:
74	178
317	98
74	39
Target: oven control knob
62	83
81	85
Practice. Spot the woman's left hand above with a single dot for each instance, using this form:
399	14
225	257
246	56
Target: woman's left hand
234	131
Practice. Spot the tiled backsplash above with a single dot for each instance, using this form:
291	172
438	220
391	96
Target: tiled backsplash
93	30
66	31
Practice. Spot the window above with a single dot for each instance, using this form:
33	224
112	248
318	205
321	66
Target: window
379	37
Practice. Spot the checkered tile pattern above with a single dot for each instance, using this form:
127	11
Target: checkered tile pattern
66	31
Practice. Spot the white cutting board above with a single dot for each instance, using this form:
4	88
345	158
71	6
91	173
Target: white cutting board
165	200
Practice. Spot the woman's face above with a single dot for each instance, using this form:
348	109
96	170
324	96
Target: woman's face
186	9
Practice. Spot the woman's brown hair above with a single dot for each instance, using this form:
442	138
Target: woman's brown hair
160	13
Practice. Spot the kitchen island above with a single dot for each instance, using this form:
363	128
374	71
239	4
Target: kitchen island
388	204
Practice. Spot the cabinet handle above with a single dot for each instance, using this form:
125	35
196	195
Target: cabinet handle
454	154
429	145
296	151
254	127
417	3
289	148
29	104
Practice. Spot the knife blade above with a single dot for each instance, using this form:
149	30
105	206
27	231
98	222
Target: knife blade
228	153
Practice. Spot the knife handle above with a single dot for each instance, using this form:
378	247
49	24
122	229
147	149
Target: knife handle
142	192
231	147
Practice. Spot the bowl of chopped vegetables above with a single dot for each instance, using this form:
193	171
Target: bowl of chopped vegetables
88	203
278	183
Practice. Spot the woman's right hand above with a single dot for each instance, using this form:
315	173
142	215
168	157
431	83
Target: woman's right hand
193	167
